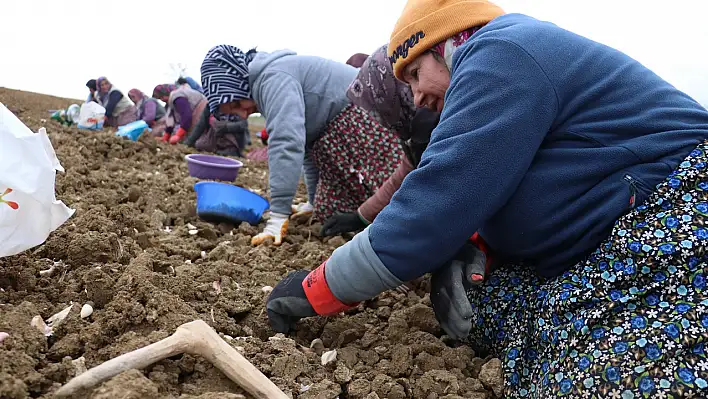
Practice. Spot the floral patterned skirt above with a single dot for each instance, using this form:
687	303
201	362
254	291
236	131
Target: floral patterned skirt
629	322
355	155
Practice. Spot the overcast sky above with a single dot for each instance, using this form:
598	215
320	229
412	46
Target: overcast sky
54	47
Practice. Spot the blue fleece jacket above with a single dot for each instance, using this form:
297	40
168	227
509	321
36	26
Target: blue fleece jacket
544	138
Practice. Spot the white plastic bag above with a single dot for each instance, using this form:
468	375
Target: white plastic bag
91	116
29	210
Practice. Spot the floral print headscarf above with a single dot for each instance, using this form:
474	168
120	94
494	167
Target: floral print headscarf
447	47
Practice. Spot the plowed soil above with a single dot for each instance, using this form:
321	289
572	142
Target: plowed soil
129	253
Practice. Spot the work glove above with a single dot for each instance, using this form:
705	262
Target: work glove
342	223
301	294
276	228
178	136
449	285
224	127
165	137
288	303
302	211
263	135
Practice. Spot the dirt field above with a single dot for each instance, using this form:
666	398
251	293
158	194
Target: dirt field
127	251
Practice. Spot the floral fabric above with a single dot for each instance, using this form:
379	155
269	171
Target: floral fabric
355	155
631	321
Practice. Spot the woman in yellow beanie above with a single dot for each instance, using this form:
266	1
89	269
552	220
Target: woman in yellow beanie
584	174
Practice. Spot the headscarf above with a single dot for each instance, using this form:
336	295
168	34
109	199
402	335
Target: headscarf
377	90
163	90
91	84
103	96
225	75
357	60
139	96
136	93
447	47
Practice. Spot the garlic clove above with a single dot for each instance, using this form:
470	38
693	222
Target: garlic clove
86	311
329	357
40	325
56	319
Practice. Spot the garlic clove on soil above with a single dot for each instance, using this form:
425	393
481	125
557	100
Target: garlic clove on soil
329	357
191	226
193	232
40	325
317	345
3	335
267	289
56	319
86	311
49	271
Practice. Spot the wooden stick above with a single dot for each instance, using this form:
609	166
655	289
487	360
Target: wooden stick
195	338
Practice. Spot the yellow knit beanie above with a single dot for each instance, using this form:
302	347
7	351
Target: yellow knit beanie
425	23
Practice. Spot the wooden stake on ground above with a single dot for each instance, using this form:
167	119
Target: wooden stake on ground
195	338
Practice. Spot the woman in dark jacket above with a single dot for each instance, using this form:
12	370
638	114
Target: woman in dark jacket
585	175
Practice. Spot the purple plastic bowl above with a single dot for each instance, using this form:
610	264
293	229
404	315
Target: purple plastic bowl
212	167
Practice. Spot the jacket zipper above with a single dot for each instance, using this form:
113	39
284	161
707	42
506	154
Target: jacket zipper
632	191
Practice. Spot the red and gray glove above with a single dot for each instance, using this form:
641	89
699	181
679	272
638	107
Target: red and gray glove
263	135
302	294
449	285
179	136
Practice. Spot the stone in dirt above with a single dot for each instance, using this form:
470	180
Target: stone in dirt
324	389
130	384
492	377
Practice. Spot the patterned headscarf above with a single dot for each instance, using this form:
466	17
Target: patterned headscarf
377	90
163	90
225	75
357	60
447	48
135	93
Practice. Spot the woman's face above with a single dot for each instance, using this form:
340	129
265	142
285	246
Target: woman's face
133	98
242	108
429	80
105	86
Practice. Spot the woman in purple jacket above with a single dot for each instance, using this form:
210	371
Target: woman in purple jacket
184	108
149	110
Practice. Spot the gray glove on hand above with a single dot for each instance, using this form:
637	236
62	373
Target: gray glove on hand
448	291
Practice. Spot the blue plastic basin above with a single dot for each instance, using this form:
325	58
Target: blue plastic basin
221	202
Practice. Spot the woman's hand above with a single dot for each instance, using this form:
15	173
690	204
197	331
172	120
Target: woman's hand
448	290
276	228
342	223
288	303
302	294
